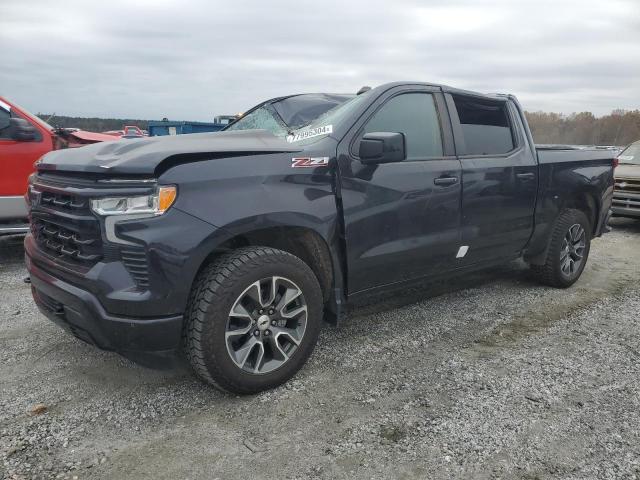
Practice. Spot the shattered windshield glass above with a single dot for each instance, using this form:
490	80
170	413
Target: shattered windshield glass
262	118
337	114
324	124
267	116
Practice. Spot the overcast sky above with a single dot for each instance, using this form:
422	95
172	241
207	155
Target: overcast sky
193	59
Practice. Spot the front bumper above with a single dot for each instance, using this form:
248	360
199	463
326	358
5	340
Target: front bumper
80	313
626	212
626	203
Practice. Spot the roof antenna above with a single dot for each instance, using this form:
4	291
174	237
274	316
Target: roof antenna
363	89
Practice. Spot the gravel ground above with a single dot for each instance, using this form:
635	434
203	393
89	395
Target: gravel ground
498	378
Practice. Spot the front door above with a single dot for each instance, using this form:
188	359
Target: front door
402	219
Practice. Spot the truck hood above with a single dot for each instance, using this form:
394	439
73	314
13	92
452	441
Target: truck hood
627	171
145	156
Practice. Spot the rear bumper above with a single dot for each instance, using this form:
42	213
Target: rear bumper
80	313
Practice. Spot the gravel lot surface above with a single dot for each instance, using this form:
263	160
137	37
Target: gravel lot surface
498	378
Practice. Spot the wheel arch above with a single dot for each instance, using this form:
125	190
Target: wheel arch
587	201
303	241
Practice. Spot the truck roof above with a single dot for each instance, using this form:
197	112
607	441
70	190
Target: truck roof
448	89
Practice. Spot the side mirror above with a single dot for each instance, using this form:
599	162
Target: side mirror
382	147
21	130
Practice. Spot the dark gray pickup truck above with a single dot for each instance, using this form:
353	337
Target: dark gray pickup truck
232	247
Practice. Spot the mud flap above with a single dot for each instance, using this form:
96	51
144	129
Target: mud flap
334	308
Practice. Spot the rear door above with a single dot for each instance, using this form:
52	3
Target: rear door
402	219
499	178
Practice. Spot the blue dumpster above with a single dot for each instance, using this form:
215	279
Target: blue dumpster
181	128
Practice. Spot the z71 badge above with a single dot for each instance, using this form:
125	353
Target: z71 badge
307	162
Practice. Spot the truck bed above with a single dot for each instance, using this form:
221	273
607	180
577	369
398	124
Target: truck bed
566	153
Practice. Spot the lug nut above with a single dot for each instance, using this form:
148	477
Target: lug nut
261	311
272	311
274	323
256	332
267	333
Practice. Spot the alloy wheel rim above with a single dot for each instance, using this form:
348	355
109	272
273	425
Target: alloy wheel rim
266	325
573	249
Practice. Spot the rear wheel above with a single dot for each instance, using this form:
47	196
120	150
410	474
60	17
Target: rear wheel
568	251
253	319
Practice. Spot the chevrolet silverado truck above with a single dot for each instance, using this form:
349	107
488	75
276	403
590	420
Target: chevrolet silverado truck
626	193
233	247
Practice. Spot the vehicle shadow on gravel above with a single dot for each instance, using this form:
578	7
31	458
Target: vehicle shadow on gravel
516	271
11	249
628	225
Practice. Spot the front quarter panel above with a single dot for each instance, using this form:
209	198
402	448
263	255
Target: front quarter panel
258	191
244	194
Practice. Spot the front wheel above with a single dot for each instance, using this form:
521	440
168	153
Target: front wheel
253	319
568	251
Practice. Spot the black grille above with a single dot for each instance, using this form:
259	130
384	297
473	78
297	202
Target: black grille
83	247
64	227
135	261
63	201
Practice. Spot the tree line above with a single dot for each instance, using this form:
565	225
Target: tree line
620	127
92	124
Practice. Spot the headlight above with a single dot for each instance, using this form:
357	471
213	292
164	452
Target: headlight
154	204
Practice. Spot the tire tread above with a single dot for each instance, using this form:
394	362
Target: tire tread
214	284
547	273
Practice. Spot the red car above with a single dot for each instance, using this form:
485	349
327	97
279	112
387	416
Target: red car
131	131
24	138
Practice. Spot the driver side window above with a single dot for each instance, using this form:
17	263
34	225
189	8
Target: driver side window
414	115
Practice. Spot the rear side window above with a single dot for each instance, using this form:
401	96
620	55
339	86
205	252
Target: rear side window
414	115
485	126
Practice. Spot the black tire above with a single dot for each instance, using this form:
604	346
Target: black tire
217	290
551	272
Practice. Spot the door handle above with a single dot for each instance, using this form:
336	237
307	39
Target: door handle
445	181
526	176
